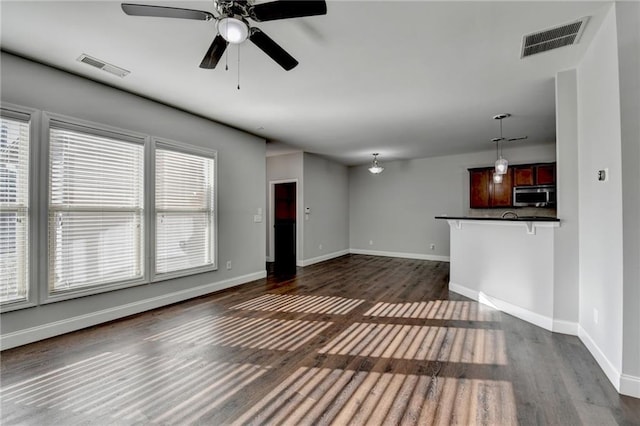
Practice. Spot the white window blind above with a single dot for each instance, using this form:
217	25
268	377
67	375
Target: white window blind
14	207
184	211
96	206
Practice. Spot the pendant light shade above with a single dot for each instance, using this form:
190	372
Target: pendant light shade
497	177
501	165
376	168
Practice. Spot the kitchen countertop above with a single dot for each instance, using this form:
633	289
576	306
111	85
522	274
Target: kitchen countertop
509	219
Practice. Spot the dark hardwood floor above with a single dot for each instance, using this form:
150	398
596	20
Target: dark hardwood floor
356	340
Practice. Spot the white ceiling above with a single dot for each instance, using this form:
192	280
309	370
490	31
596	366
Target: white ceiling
406	79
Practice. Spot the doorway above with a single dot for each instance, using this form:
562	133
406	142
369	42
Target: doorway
284	228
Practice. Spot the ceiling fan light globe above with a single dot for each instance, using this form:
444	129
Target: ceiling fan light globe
501	166
376	169
233	30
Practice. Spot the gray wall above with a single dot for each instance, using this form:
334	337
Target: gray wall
241	174
326	193
628	27
566	237
395	209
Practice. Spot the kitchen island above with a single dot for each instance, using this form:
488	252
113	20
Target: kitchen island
507	264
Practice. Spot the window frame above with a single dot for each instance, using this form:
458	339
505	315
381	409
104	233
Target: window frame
98	129
18	112
182	147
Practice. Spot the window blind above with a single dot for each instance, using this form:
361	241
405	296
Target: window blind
184	211
14	208
96	206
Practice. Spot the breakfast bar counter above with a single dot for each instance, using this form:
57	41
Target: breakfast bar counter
506	263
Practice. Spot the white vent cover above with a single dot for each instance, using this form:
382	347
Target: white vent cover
542	41
97	63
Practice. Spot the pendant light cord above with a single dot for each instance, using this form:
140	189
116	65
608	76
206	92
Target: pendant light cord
238	66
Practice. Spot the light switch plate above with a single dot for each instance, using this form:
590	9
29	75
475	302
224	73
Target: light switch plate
603	175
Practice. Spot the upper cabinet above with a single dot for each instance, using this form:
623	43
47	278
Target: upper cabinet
485	193
479	180
523	175
534	174
546	174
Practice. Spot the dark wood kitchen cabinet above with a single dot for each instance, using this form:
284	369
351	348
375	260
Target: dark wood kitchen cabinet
534	174
546	174
485	193
479	183
523	175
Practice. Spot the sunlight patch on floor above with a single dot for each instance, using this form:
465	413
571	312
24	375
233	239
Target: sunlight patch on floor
436	310
133	388
285	335
313	396
449	344
299	303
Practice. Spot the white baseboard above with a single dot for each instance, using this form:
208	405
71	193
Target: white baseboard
607	367
624	384
33	334
400	254
464	291
565	327
328	256
630	385
517	311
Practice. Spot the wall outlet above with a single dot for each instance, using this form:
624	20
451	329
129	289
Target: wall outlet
320	246
595	315
228	264
432	246
370	242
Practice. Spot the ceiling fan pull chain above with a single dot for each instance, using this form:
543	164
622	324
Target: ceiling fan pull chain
238	67
226	60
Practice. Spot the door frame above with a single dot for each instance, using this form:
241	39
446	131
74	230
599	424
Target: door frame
270	225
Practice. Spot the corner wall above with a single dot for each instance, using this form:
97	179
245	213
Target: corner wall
326	194
600	203
566	275
628	26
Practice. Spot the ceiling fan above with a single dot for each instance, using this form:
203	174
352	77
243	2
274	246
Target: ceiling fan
233	27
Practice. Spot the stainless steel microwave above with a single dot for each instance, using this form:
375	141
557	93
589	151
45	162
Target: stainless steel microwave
534	196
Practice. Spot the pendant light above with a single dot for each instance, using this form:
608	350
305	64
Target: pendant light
376	168
501	163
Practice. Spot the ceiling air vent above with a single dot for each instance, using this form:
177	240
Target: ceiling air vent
553	38
97	63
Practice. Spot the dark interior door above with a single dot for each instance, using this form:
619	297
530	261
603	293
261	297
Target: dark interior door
284	228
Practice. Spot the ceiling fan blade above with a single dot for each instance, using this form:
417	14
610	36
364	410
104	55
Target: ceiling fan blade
215	52
517	139
165	12
287	9
273	49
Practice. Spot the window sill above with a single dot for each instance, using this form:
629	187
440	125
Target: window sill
61	295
